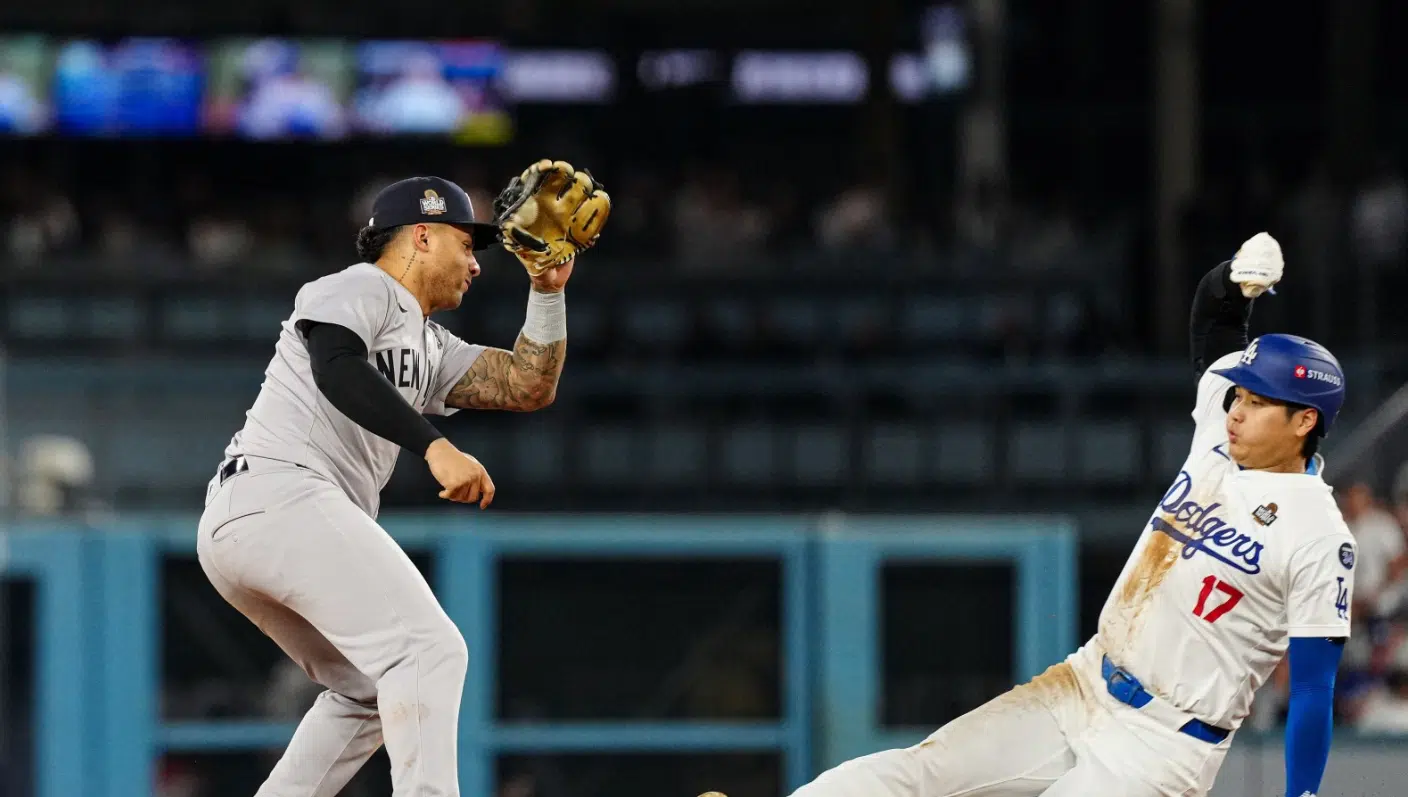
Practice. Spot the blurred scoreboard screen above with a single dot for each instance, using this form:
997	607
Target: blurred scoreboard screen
571	77
277	88
254	88
272	89
431	88
140	86
808	78
26	71
792	78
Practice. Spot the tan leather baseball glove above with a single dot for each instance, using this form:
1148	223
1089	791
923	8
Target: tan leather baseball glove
550	213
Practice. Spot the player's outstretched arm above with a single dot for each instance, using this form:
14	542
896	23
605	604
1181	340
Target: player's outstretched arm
524	379
1222	305
521	380
548	215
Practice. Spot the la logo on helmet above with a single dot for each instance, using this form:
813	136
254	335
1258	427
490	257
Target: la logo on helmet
1249	355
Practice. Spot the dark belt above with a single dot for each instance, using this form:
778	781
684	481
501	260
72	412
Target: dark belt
232	466
239	464
1127	689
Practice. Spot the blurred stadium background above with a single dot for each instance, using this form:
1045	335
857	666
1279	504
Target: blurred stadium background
873	377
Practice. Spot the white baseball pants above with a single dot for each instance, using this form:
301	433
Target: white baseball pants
1060	735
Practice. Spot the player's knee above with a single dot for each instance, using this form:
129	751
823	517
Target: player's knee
457	653
448	650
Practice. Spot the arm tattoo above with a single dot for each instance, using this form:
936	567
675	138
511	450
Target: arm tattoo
521	380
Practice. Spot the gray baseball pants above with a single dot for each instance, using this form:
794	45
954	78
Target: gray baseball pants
290	551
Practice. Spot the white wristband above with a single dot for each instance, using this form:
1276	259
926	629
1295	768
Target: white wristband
546	321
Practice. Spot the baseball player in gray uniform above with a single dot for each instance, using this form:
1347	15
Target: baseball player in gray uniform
289	534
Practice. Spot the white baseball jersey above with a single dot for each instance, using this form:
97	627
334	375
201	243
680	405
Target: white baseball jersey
1232	564
292	421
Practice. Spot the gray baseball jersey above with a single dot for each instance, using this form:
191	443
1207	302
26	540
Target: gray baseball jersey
291	420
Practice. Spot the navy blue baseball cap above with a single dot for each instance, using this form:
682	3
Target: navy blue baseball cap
1294	370
430	200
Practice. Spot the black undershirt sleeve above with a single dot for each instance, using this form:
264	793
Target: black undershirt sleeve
352	385
1220	318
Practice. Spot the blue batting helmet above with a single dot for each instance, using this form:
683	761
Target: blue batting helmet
1294	370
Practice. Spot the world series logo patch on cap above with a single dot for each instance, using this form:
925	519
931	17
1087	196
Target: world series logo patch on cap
433	204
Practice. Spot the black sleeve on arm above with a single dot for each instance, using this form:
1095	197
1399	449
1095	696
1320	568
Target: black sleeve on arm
1219	321
359	391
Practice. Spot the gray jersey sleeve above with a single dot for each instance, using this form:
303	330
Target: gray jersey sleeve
357	298
456	358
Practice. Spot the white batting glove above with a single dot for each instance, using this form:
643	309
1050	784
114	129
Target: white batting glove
1258	265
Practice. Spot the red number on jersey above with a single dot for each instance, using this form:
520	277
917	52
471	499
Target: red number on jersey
1233	596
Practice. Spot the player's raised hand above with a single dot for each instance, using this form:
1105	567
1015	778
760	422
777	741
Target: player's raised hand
1258	265
554	279
463	477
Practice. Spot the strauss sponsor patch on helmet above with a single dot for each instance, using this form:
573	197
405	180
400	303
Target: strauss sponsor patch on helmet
1319	376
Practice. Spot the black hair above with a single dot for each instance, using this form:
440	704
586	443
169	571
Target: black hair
372	242
1311	443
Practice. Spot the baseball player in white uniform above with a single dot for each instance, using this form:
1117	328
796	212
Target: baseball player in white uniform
1245	558
289	534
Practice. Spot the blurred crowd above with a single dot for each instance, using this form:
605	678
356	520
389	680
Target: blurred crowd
200	217
1372	688
704	219
194	217
1345	241
703	216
